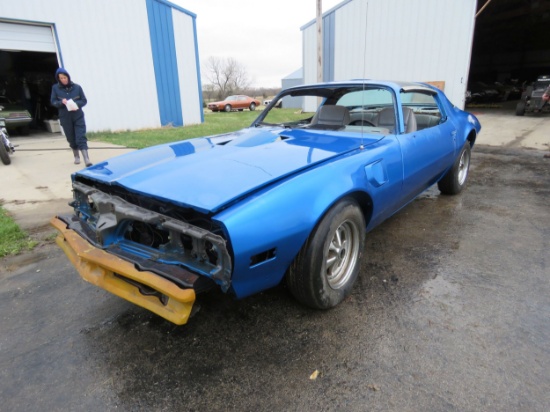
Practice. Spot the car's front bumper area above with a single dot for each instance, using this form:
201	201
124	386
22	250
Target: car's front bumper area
120	277
14	120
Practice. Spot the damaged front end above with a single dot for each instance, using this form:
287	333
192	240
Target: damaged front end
153	255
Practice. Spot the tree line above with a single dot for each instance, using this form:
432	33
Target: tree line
225	77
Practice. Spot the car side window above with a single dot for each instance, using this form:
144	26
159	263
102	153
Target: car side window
425	107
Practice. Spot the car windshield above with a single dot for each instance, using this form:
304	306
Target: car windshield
339	108
231	98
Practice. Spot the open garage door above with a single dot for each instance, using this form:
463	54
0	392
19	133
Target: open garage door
26	37
510	48
28	60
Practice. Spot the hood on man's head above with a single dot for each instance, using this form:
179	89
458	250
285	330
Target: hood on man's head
61	70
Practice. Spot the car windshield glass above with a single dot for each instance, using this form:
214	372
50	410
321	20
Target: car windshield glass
230	98
348	109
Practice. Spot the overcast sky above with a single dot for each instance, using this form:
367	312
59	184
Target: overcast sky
262	35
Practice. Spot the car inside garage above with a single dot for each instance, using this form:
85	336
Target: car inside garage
28	61
510	49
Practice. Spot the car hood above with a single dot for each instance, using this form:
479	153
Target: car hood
208	173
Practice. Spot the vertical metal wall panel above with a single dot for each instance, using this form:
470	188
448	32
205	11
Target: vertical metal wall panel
310	70
188	68
411	40
106	46
350	36
163	46
328	47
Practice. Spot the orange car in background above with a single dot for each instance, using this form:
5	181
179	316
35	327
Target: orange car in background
238	102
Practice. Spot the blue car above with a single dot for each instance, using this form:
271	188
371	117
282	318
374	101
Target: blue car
291	197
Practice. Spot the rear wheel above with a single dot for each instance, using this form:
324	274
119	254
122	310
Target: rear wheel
323	273
4	155
455	179
252	107
520	109
227	108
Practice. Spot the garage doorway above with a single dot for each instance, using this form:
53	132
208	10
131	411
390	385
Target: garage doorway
510	49
28	61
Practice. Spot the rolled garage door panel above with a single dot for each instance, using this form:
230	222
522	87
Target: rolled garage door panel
26	37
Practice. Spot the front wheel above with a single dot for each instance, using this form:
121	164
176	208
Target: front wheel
455	179
227	108
323	273
4	155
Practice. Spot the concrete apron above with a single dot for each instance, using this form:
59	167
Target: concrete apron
510	131
37	184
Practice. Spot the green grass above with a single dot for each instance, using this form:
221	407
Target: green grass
12	239
214	123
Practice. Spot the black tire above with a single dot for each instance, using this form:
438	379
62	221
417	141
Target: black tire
455	179
252	107
323	273
4	155
227	108
520	109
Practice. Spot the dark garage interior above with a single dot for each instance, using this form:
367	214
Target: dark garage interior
511	47
26	78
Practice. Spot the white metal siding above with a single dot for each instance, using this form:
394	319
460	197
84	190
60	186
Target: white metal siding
411	40
310	70
106	48
187	68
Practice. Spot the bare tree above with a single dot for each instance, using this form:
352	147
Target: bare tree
226	75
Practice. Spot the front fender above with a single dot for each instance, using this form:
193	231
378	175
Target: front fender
268	229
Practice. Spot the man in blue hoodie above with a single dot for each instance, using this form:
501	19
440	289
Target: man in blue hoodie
69	99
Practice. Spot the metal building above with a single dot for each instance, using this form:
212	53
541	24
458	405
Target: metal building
295	78
410	40
137	61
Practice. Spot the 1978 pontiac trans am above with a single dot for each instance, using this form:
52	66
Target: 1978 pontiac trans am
286	198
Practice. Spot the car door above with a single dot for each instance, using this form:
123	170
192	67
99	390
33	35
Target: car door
429	149
241	102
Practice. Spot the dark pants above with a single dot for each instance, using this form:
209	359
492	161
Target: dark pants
74	127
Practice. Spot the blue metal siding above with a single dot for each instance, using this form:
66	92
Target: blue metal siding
161	30
328	47
198	67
